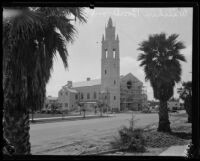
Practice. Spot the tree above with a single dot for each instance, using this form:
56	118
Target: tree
161	60
31	40
100	105
186	95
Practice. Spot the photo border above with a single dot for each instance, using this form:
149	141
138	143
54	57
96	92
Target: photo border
193	152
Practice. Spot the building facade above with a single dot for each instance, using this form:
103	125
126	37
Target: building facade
49	101
117	92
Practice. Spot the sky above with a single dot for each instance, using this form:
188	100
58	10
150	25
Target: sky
133	25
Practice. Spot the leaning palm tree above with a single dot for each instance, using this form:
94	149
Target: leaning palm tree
31	40
161	60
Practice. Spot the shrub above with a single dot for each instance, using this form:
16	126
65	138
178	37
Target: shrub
130	139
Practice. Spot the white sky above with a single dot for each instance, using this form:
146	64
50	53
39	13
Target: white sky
133	25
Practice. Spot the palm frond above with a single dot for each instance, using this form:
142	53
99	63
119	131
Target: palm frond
65	27
179	45
54	42
27	25
78	12
61	48
161	61
172	38
179	57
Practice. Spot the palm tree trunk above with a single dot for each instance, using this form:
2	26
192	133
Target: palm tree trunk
32	115
188	109
16	116
164	124
16	130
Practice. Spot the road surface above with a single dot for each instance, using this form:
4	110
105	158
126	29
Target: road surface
81	136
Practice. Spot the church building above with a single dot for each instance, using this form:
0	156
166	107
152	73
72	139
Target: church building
117	92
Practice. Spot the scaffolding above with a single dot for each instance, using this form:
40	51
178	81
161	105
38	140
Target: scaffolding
134	98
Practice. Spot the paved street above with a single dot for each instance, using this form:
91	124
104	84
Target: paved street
76	137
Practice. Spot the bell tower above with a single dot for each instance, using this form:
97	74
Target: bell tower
110	69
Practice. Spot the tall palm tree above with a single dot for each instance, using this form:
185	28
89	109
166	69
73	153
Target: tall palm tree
161	60
31	40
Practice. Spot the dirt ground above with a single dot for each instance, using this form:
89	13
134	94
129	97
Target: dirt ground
157	142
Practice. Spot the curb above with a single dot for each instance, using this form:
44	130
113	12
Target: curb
65	119
103	152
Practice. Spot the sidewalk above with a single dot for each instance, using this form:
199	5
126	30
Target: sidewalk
64	118
175	151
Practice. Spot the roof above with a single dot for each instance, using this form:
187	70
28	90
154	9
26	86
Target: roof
87	83
72	90
96	82
52	98
130	75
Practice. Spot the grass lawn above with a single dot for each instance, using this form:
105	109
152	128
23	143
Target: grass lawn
42	115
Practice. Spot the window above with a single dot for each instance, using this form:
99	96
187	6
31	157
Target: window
106	53
114	82
105	71
82	96
95	95
61	93
114	98
66	93
88	96
76	96
129	84
66	104
114	53
105	97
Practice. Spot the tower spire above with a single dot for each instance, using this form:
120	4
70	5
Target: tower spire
110	22
110	66
117	38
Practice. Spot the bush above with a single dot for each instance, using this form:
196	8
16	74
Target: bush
130	139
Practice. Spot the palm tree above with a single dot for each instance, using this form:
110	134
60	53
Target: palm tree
31	40
161	60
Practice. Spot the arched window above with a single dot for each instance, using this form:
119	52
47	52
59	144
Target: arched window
82	96
105	71
129	84
114	97
114	53
106	51
114	82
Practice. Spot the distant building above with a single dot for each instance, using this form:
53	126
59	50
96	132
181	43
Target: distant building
49	101
174	104
117	92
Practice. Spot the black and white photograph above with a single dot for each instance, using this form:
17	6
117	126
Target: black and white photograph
102	81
